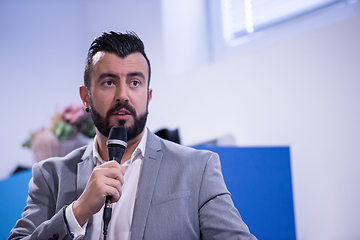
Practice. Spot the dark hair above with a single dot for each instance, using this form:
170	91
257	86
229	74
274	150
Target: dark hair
121	44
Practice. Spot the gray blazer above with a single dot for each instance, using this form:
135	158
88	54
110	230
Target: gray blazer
181	195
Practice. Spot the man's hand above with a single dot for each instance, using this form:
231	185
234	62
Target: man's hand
106	179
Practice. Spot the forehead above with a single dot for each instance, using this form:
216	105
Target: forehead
112	63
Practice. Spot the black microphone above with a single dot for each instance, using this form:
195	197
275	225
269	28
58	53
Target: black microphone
116	144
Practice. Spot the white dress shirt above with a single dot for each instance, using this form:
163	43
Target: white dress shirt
122	211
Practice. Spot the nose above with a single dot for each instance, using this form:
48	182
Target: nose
122	93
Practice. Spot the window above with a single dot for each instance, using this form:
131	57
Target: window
240	26
242	18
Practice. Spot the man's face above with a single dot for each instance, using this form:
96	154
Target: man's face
119	93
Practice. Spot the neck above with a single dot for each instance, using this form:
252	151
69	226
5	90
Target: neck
132	144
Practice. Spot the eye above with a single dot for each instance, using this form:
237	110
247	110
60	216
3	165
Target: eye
108	83
135	83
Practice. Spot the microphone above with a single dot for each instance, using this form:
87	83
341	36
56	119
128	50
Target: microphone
116	144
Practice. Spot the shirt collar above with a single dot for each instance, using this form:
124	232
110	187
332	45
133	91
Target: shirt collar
140	150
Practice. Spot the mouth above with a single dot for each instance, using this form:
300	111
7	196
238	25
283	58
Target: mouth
122	114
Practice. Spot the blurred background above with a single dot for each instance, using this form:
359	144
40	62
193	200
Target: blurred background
291	79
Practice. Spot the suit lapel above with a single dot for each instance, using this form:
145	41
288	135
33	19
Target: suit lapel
149	173
84	170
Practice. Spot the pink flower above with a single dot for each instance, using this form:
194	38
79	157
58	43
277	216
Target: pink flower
74	114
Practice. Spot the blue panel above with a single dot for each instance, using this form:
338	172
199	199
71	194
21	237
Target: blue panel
259	180
14	192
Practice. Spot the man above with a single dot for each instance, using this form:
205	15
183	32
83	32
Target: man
160	190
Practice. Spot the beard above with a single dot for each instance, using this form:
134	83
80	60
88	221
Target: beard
103	123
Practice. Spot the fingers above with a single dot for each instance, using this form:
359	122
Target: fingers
112	170
114	181
110	178
114	189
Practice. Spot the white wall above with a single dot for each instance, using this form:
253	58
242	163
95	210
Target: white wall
302	92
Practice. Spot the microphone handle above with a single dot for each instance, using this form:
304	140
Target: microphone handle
108	208
107	214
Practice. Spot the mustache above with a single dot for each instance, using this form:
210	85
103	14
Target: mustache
119	106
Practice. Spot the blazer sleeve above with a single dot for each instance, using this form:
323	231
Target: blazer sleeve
40	219
218	217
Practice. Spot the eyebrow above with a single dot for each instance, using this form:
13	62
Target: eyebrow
105	75
136	74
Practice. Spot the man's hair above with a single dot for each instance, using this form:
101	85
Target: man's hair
121	44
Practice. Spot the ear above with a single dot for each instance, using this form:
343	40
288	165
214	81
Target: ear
150	95
83	91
